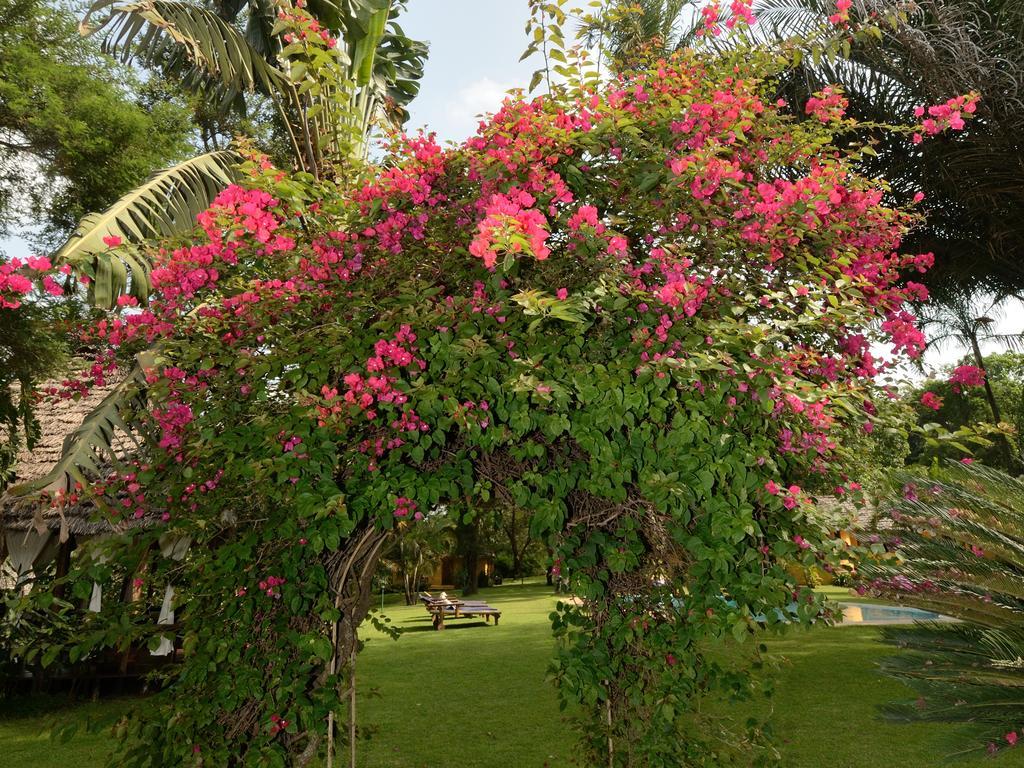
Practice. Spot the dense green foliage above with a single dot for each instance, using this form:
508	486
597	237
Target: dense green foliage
969	408
73	134
30	347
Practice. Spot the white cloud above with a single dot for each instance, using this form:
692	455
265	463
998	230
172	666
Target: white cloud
459	116
483	95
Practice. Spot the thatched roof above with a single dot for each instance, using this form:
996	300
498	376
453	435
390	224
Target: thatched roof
57	420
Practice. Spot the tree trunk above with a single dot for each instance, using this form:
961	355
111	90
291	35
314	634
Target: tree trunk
989	394
414	588
351	578
410	581
406	589
468	536
1005	446
513	543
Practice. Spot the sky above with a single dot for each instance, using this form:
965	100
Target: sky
475	47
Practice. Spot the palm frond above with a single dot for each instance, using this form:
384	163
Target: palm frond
792	18
99	443
1011	341
165	205
259	17
196	44
957	540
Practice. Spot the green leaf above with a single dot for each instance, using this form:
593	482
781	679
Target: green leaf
165	205
192	42
649	181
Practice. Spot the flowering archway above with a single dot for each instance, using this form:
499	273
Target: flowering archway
643	313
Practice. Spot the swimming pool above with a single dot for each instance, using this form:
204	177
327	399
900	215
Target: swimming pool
874	613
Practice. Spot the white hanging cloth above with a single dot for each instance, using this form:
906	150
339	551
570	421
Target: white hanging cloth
91	545
166	617
167	609
165	647
27	549
96	601
174	547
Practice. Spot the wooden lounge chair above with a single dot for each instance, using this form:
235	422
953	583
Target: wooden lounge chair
431	600
445	608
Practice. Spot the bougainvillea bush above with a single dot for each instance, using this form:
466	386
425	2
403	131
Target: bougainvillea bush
644	313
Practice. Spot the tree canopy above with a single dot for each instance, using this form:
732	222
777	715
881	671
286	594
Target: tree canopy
73	133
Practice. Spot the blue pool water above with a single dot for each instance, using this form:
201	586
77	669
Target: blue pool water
871	613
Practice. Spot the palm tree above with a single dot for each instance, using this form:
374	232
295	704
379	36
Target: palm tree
327	110
968	319
418	548
958	542
629	27
926	52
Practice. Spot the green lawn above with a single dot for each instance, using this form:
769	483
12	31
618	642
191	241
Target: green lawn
475	695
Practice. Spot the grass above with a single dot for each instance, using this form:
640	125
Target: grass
475	696
25	733
472	691
845	594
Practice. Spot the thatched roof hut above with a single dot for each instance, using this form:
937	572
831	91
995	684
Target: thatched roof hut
35	525
58	422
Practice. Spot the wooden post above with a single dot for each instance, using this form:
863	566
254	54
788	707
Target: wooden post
352	709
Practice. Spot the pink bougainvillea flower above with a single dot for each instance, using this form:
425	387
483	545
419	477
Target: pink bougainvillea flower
710	14
931	400
112	241
510	220
828	106
966	377
842	15
740	13
405	507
